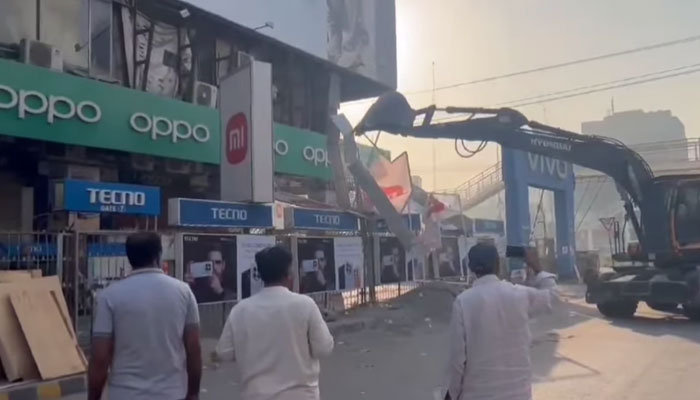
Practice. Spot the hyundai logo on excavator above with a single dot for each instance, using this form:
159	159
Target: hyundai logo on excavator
550	144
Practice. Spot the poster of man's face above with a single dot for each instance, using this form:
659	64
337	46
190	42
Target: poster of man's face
349	259
448	258
316	264
392	260
210	266
249	279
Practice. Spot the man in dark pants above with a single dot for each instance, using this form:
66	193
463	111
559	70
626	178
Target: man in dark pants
146	332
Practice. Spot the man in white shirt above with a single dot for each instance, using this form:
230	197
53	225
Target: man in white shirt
276	336
490	333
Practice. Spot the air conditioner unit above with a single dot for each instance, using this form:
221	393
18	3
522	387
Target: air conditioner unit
204	94
41	54
140	162
243	59
178	167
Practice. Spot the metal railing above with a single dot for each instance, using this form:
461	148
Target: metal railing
671	156
86	262
213	316
480	185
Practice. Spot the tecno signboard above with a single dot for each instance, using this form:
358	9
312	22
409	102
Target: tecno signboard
218	214
102	197
304	218
38	103
246	168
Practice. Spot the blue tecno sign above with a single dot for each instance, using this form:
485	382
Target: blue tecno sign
101	197
218	214
325	220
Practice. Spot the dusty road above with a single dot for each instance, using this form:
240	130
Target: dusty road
577	355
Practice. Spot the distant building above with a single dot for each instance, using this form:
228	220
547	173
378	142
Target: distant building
658	136
637	126
641	131
417	181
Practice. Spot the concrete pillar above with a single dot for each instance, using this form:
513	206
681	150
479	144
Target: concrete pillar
518	224
566	238
333	144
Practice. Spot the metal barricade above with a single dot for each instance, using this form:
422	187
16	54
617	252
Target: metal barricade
100	260
212	317
44	251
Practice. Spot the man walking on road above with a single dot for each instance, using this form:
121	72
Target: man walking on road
490	332
146	332
276	336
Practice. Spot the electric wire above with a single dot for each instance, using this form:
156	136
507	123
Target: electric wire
634	50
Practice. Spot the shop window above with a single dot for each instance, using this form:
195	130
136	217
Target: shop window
18	20
225	59
161	60
204	48
96	24
61	25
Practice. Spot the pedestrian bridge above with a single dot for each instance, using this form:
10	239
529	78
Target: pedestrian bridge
664	158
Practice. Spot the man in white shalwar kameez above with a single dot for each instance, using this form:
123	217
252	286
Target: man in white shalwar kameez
490	332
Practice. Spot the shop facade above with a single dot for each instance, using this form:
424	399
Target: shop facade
118	131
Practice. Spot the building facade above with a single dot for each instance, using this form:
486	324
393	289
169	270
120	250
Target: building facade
126	92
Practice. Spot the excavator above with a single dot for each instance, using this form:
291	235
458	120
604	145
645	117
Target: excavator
664	211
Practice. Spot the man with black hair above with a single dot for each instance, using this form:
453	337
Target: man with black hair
276	336
146	332
490	332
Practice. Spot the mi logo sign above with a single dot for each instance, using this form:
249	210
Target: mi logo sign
237	139
247	158
549	166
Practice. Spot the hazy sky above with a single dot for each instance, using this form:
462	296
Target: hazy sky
472	39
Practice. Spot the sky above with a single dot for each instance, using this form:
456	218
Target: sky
464	40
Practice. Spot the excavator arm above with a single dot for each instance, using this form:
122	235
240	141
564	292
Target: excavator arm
507	127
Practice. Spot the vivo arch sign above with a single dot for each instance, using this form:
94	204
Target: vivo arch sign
549	166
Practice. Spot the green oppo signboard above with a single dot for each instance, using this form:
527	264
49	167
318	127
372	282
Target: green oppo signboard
302	152
37	103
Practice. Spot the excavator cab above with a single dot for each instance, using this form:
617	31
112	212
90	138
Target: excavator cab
685	216
671	221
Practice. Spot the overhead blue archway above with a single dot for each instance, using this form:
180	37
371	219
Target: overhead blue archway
522	170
